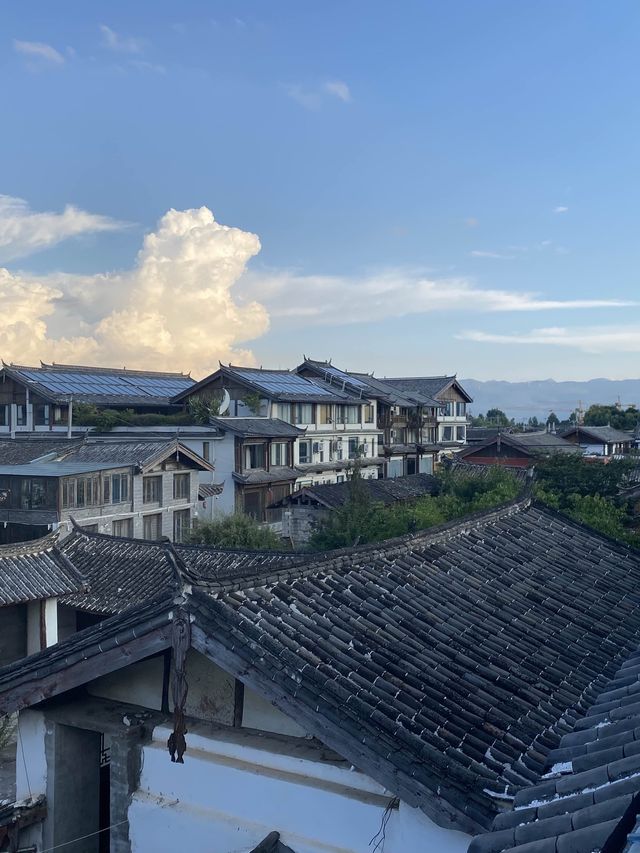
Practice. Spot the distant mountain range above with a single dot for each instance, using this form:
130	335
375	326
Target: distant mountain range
522	400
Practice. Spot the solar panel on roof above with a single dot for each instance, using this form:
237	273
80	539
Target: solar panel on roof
69	382
330	370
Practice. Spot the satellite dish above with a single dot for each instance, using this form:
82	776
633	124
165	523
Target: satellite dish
225	402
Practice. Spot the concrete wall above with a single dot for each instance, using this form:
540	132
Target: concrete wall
234	788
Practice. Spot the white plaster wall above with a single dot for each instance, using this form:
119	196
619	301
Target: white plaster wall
225	466
232	791
139	684
31	771
259	714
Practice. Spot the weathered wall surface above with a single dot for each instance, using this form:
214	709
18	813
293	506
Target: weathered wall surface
234	788
13	633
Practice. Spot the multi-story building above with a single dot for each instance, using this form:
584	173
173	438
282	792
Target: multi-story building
406	420
339	423
143	489
452	402
41	399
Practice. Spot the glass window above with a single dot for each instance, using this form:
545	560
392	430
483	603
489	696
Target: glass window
461	409
353	448
181	524
152	526
4	415
255	456
152	490
119	488
181	486
21	415
41	414
206	450
324	414
447	433
368	414
304	452
283	411
460	431
449	409
302	413
123	527
279	453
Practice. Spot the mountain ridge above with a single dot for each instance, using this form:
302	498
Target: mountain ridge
538	397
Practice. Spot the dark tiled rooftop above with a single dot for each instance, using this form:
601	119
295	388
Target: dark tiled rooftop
17	451
267	427
35	570
388	491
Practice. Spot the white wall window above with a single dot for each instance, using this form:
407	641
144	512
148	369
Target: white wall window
325	415
449	409
279	453
368	414
447	433
304	452
181	524
461	409
302	413
119	488
460	433
282	411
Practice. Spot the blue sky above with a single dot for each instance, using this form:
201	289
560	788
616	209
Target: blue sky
435	186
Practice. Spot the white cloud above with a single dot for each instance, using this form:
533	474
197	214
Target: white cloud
591	339
39	51
174	310
560	209
481	253
293	298
23	231
312	97
120	43
339	89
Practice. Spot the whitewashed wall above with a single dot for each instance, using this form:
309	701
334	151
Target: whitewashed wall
234	788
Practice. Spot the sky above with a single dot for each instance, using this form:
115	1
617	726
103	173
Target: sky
411	188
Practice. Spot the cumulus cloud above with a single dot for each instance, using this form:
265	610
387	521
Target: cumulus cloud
120	43
174	310
560	209
39	50
592	339
23	231
315	299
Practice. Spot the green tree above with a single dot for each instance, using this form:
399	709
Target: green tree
496	417
235	531
553	420
253	402
533	423
203	407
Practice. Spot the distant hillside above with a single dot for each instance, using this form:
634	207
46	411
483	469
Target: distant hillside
521	400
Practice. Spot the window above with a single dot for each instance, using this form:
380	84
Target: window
302	413
41	414
123	527
304	452
181	486
81	491
119	488
324	414
206	450
181	524
354	448
254	456
4	415
449	409
21	415
348	414
368	414
461	409
447	433
282	411
152	526
152	490
460	433
340	478
279	453
254	505
60	415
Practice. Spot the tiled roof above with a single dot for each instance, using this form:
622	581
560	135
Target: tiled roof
17	451
124	573
35	570
267	427
430	386
209	490
276	474
533	443
143	453
446	665
448	661
597	434
593	776
387	491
